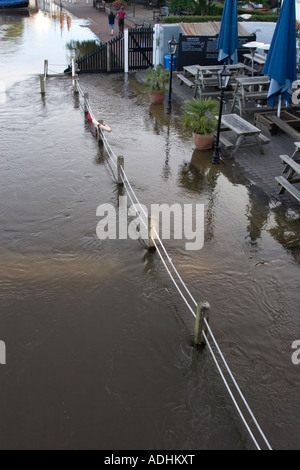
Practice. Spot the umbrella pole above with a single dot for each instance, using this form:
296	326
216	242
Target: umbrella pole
279	106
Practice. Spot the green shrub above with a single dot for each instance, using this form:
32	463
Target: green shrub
268	16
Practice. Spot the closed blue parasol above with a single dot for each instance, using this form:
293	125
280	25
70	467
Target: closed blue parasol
280	64
228	37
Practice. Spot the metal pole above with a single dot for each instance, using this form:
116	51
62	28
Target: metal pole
216	154
169	109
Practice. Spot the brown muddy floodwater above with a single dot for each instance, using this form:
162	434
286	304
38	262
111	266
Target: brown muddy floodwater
99	344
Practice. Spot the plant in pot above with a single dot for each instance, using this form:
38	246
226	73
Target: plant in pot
156	80
199	116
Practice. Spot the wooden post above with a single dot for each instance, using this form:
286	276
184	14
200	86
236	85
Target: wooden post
120	166
42	83
99	138
74	75
108	61
200	326
126	51
152	226
45	68
86	98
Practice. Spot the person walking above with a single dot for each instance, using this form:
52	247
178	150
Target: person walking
111	22
121	15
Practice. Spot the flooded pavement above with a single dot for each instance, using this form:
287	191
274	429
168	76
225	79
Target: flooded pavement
99	343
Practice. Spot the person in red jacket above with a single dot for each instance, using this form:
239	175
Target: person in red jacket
121	15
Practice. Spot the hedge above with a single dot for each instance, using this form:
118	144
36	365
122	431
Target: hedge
270	17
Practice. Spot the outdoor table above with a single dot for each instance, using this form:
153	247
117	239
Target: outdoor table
245	90
207	75
265	48
242	130
190	70
253	45
292	168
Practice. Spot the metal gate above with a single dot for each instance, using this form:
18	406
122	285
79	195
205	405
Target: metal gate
109	57
140	48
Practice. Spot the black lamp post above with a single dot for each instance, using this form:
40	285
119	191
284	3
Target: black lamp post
172	49
223	78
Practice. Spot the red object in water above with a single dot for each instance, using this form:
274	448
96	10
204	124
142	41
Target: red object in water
89	116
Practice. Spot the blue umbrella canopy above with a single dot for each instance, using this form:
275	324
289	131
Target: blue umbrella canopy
228	37
280	64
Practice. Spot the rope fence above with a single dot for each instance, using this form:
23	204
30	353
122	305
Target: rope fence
181	287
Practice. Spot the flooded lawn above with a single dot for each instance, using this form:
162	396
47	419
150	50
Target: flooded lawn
99	343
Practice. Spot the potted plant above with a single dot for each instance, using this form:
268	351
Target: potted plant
156	80
199	116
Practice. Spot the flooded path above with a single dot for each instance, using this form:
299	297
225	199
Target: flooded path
99	344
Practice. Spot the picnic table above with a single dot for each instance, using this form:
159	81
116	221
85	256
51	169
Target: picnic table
207	76
292	170
245	133
257	59
253	56
249	89
99	4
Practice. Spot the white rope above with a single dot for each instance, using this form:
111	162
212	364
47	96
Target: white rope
138	202
133	204
229	391
161	257
111	154
126	183
177	273
125	179
193	313
236	385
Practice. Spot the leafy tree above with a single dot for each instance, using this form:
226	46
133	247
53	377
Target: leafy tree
180	5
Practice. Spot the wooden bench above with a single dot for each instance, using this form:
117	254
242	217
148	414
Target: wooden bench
185	80
100	5
258	61
240	100
227	144
156	15
264	140
285	185
292	168
292	164
246	133
257	58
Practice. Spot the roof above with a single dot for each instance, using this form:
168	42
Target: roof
210	28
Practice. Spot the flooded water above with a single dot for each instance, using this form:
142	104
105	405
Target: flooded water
99	343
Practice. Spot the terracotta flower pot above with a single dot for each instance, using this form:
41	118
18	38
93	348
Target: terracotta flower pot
203	142
157	98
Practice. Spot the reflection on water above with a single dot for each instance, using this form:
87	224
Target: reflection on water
99	344
82	48
42	25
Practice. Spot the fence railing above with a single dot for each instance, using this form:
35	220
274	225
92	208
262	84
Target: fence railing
135	48
199	310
